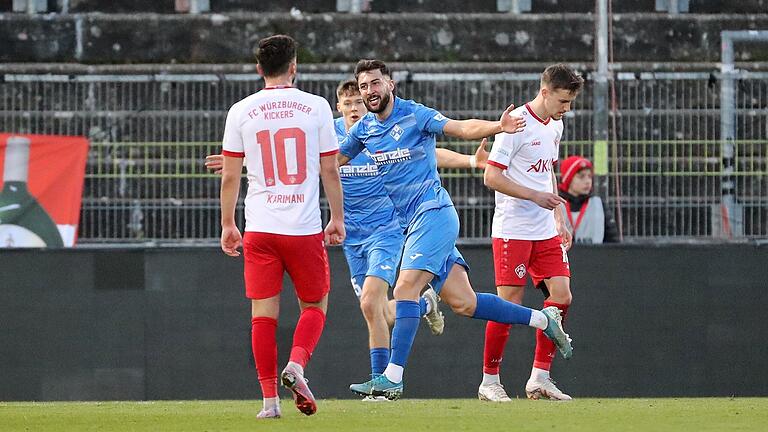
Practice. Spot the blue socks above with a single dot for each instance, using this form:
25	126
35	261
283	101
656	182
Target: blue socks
407	315
380	356
379	360
491	307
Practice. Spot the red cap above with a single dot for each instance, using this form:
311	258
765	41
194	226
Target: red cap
569	167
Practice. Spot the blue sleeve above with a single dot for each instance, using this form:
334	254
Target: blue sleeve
429	120
351	146
341	131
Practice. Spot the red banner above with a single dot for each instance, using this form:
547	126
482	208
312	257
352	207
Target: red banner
41	189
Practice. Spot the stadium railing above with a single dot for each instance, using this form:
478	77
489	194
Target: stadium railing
149	132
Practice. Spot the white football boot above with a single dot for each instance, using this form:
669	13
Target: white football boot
544	389
434	318
493	392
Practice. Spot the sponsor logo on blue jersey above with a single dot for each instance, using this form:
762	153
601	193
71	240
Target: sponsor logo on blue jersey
390	157
367	170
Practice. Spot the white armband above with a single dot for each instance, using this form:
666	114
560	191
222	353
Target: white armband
473	161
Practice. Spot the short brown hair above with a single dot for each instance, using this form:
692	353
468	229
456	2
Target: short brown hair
560	76
347	88
275	54
366	65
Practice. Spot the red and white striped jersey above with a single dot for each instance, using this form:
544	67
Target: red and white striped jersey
282	132
527	158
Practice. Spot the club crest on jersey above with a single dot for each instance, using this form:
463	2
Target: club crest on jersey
367	170
396	133
390	157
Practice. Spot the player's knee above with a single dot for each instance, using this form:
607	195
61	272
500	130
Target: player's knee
405	290
567	298
563	297
370	307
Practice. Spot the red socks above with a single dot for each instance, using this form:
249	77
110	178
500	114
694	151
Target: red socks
496	335
265	353
307	333
545	348
305	337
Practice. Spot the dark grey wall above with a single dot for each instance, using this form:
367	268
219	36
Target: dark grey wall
440	6
173	324
408	37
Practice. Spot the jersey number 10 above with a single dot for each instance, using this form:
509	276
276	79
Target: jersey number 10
264	139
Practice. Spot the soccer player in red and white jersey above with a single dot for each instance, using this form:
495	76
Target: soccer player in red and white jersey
529	238
287	137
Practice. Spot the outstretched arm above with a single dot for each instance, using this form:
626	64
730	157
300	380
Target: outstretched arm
215	163
451	159
475	129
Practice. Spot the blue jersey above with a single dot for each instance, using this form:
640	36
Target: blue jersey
403	147
367	207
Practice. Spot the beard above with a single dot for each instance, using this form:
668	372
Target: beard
383	103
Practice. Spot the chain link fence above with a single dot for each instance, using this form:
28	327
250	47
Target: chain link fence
145	181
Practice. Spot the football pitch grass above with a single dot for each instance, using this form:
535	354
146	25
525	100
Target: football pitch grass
689	415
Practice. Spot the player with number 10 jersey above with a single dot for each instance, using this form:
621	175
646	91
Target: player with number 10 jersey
294	129
287	137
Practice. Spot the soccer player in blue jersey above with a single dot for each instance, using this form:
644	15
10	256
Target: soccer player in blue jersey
400	137
374	233
374	239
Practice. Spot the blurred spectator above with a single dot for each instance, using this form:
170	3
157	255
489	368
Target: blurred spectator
588	219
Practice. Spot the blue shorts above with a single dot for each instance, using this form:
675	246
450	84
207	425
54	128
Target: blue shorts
454	258
430	244
377	256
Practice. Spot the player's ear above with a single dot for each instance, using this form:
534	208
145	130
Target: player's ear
338	106
259	70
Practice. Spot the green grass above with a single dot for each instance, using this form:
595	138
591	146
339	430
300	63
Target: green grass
439	415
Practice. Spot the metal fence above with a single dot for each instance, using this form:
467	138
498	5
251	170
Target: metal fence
145	180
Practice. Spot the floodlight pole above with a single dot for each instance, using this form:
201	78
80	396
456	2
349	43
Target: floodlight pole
600	98
731	220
